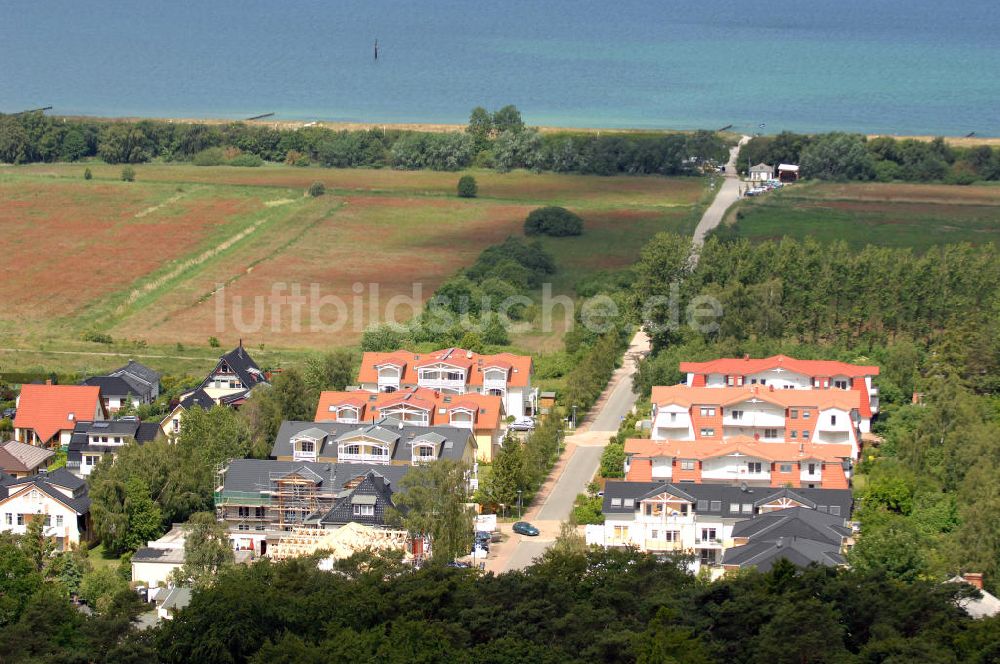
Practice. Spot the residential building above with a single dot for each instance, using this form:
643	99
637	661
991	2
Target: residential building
92	441
233	377
454	371
21	460
47	414
761	173
419	406
170	602
759	412
985	604
387	441
171	424
788	172
739	460
59	498
800	535
134	382
783	373
697	519
153	563
262	501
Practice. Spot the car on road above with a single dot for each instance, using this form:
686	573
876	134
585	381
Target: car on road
525	528
522	424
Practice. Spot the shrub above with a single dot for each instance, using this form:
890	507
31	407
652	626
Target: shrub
213	342
467	187
97	337
553	221
209	157
317	189
87	175
246	159
128	174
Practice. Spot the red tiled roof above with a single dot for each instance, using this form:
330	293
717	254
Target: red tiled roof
47	408
734	366
519	367
694	449
640	470
488	409
683	395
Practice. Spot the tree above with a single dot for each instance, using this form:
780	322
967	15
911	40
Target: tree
128	174
317	189
206	550
87	175
467	187
480	127
144	516
553	221
508	474
101	587
433	502
20	579
613	460
383	338
124	144
288	398
838	157
509	119
124	515
330	371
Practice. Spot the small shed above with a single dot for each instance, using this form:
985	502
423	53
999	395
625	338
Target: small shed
788	172
546	401
761	173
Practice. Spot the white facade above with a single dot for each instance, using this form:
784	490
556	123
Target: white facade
517	401
27	503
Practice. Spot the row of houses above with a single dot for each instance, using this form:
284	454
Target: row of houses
748	461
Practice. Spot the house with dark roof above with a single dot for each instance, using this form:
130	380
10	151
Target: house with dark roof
698	519
261	500
385	441
234	376
59	499
21	460
171	424
800	535
92	441
47	414
134	382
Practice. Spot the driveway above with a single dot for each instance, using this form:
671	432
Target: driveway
728	194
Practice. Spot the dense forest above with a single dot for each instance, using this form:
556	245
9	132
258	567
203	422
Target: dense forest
573	606
927	496
838	156
498	140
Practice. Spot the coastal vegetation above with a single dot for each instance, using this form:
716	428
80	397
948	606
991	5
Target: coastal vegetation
839	156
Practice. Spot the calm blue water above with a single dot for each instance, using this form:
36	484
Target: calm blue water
903	66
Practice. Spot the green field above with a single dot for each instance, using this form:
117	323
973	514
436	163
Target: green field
894	215
143	261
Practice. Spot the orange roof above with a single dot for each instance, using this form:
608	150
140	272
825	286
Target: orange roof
488	409
733	366
518	367
640	470
683	395
696	449
48	409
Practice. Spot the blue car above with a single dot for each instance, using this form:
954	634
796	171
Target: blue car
525	528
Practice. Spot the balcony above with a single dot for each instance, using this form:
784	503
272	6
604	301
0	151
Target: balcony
299	455
442	384
709	543
494	384
657	545
734	474
363	458
390	382
806	476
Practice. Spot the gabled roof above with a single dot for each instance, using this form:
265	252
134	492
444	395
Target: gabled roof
802	552
137	373
197	398
47	483
374	489
794	523
488	409
23	458
732	366
239	360
373	431
454	439
254	475
112	386
49	409
518	367
644	448
727	396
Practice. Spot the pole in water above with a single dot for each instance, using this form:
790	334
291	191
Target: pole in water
376	49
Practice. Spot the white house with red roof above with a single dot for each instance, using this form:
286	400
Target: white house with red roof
787	373
454	371
47	414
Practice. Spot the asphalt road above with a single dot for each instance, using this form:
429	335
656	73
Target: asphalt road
728	194
579	471
526	552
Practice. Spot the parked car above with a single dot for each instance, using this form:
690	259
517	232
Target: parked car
483	536
523	424
525	528
9	413
458	564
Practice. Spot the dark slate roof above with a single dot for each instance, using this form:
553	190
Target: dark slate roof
147	431
112	386
138	375
48	483
250	475
802	552
452	439
239	360
197	398
149	554
373	490
141	432
718	498
794	523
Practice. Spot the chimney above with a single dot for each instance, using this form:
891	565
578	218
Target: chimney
974	579
48	381
746	357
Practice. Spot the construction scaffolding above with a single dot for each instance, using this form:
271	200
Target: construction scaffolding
285	500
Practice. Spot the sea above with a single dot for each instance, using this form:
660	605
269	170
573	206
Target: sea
880	66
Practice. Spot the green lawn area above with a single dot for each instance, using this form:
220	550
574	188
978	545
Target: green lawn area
99	559
893	215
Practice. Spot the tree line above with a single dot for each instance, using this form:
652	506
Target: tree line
839	156
499	140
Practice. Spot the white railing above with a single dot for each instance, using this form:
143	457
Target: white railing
299	455
387	382
363	458
442	384
493	384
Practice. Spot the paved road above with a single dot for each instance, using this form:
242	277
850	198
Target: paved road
579	471
728	194
526	552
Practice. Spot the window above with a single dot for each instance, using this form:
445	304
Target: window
786	467
707	411
90	460
702	506
258	512
736	414
812	469
835	510
754	467
805	434
243	512
707	433
716	505
242	527
672	535
616	502
629	502
840	384
176	424
794	434
806	415
794	413
687	464
673	417
364	510
20	519
833	420
748	508
9	519
707	534
352	449
770	433
307	446
763	381
734	507
621	532
454	375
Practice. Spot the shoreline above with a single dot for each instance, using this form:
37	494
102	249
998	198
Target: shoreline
440	128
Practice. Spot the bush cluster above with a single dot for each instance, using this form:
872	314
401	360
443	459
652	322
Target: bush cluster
553	221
